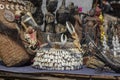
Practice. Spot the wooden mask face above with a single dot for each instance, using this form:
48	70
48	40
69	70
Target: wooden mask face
51	5
62	14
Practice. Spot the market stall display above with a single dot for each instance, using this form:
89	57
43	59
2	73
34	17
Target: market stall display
63	38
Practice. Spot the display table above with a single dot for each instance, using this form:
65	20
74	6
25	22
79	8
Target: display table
27	72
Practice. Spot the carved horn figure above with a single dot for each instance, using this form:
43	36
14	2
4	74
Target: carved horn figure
57	44
74	35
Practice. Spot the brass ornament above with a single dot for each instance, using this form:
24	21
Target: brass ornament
9	15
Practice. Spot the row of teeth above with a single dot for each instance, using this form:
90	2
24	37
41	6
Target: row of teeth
17	1
12	7
46	50
114	1
53	59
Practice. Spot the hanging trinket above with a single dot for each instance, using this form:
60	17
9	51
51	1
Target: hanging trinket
9	16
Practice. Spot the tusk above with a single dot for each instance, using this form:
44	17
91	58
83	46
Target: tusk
70	28
48	40
63	41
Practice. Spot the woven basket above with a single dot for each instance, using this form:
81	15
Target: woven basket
11	53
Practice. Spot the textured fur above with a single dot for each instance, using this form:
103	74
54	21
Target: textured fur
11	33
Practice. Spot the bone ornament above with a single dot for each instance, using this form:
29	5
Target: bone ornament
116	46
14	1
105	46
57	44
3	0
58	59
9	0
17	7
2	6
21	8
7	6
19	1
12	6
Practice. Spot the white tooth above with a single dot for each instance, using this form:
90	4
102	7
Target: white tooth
7	6
10	0
14	1
2	6
12	6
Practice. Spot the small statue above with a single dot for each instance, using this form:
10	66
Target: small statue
38	15
62	14
51	6
49	22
